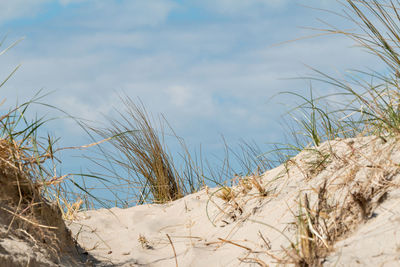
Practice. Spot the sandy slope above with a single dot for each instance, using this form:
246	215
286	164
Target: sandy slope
376	243
32	231
251	229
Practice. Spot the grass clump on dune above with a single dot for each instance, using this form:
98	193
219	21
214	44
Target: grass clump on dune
27	186
143	155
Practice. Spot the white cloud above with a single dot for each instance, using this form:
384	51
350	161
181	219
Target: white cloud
68	2
247	8
94	13
124	14
192	101
19	8
179	95
16	9
262	8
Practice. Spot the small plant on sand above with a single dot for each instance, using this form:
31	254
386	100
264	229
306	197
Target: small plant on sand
226	194
256	182
144	242
312	245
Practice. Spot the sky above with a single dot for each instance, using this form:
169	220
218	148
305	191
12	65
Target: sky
211	68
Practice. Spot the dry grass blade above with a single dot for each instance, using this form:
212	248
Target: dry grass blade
235	244
173	248
27	220
253	260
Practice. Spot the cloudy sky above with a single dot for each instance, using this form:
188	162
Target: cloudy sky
210	66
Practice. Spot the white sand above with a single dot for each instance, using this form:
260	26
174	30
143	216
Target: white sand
252	230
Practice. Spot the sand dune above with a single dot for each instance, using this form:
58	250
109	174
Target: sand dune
352	217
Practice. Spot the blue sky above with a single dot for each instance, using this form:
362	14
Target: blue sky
209	66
